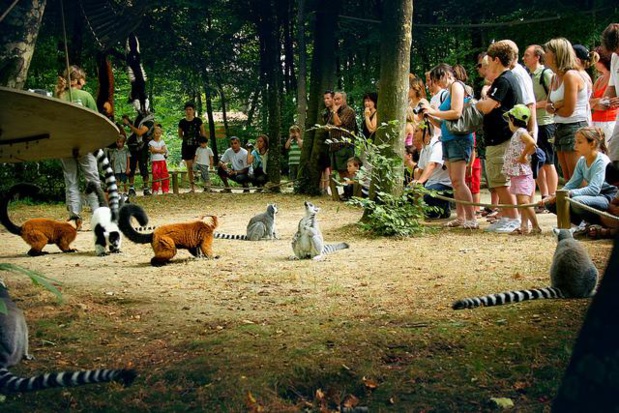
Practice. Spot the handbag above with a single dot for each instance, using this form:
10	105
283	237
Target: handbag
470	120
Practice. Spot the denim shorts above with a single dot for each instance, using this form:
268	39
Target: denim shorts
565	135
458	149
544	134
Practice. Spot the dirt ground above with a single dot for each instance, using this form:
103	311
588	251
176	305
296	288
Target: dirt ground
396	281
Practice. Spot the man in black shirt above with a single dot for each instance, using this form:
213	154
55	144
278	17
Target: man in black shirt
503	94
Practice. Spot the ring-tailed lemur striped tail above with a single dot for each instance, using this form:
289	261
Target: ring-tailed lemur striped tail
572	275
220	235
110	183
308	241
261	226
14	347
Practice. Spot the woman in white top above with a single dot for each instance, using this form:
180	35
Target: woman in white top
568	101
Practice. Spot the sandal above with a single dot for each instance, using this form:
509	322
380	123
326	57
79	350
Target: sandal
600	232
472	224
453	224
535	231
486	211
520	231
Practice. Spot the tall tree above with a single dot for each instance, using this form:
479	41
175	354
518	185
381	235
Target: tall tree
268	30
301	66
396	29
322	78
18	36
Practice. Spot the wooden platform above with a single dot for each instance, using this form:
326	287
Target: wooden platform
35	127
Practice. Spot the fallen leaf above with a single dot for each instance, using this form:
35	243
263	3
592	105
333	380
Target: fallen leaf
350	401
502	402
369	383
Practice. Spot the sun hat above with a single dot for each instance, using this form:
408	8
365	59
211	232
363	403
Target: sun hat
519	111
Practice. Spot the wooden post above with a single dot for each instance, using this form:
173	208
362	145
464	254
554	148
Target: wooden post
335	195
174	175
563	209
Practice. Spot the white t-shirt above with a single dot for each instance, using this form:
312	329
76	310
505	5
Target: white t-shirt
203	155
525	83
158	145
433	152
238	160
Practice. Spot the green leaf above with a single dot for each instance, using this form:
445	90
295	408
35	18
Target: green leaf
37	279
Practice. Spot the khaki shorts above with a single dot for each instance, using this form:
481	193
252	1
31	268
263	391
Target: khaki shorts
494	165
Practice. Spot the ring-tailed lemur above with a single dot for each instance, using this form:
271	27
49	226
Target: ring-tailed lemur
308	241
261	226
572	275
14	347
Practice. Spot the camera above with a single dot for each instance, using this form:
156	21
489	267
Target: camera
418	109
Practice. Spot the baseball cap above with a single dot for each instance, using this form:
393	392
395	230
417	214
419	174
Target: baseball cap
519	111
581	51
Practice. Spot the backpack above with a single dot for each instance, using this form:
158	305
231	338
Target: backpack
542	81
135	144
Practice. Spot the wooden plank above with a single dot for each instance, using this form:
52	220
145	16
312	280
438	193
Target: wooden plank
35	127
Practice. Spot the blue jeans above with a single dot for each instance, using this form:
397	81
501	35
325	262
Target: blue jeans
443	206
578	214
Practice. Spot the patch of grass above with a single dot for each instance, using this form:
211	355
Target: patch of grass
253	330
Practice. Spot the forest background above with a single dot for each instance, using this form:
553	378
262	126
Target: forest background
270	60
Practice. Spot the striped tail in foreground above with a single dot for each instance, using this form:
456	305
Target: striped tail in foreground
508	297
110	182
220	235
10	383
329	248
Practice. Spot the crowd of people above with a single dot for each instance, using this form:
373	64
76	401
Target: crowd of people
543	119
531	115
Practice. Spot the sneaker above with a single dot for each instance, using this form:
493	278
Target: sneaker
509	226
147	192
132	192
496	224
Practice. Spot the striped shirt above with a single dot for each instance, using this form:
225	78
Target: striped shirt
294	153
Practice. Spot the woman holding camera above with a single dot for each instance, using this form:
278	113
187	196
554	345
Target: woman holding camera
457	149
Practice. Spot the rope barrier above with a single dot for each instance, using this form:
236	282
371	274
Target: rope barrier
569	200
480	204
593	210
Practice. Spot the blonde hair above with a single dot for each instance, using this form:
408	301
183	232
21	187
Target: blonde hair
592	59
295	128
565	57
74	74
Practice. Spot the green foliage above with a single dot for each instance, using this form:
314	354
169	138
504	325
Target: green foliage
36	277
397	212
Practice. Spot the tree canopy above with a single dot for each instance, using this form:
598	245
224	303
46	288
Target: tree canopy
243	55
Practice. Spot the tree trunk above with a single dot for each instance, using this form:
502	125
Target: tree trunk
268	30
323	78
590	381
211	120
18	36
396	29
302	67
224	111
